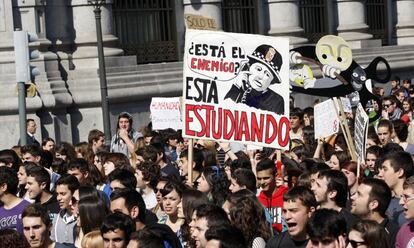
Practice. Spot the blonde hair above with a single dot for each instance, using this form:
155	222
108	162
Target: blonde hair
93	240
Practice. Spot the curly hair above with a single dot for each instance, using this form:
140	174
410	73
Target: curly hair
373	234
11	238
244	213
218	182
151	173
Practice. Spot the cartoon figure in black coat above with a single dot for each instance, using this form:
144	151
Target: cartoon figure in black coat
252	85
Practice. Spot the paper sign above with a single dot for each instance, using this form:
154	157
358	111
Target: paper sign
200	22
326	121
361	132
165	113
236	88
346	104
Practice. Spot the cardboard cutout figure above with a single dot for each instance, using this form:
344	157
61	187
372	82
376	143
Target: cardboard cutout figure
341	74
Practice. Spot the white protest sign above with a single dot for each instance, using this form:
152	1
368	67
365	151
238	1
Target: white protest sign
165	113
325	119
346	104
236	88
360	132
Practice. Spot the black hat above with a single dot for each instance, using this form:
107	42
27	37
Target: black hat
270	57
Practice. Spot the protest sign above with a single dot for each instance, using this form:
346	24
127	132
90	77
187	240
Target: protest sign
361	132
346	104
165	113
200	22
236	88
326	120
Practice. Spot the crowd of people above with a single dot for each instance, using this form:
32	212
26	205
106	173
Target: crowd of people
138	190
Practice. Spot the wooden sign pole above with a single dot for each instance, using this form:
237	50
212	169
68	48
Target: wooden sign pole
190	160
345	129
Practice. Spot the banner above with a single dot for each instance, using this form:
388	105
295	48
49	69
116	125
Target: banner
361	132
165	113
326	120
236	88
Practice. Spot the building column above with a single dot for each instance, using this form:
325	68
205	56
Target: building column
352	24
405	23
285	20
84	28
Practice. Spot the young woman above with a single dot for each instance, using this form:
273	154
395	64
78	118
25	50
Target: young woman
66	152
350	171
246	211
367	234
214	183
147	174
171	198
337	159
372	154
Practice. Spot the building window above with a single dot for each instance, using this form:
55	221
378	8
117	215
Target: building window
146	28
377	19
314	19
240	16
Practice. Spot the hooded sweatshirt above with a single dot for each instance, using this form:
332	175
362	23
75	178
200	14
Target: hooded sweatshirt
274	205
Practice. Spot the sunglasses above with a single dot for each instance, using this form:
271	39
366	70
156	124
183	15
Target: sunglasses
386	105
355	244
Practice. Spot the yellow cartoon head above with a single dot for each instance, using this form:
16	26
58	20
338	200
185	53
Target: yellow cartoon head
334	51
300	73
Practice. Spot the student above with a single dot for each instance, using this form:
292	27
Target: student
125	137
207	216
384	131
271	195
243	179
299	204
327	228
405	236
36	226
65	222
80	169
116	230
225	236
395	169
38	183
368	234
10	212
331	192
147	174
121	178
371	202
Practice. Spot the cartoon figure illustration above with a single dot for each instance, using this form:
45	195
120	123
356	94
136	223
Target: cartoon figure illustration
302	75
341	74
252	85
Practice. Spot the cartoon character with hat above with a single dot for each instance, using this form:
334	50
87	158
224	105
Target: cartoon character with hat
252	86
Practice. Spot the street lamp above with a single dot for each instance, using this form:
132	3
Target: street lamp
97	4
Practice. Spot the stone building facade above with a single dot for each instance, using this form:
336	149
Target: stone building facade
67	103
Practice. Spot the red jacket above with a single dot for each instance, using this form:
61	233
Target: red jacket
275	205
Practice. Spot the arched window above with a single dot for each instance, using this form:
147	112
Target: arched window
147	29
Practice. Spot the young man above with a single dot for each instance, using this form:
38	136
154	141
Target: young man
395	169
79	168
206	216
395	85
384	131
327	228
271	195
10	212
299	203
122	178
371	202
116	230
124	139
30	153
96	140
296	124
390	110
331	192
38	183
405	236
65	222
225	236
129	202
36	226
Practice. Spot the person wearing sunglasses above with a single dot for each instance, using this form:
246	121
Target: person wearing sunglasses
390	110
405	236
367	234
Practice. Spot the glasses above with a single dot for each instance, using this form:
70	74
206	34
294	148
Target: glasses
386	105
406	198
355	244
199	146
